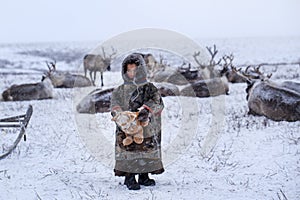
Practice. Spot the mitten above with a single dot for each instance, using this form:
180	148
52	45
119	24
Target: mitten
143	115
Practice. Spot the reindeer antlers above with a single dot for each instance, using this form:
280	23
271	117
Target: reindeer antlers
114	52
53	65
212	63
195	55
228	60
261	75
213	54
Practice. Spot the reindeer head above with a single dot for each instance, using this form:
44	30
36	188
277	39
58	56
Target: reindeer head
227	63
57	78
51	69
209	70
107	60
250	78
257	74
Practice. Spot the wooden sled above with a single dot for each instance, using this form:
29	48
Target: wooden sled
20	121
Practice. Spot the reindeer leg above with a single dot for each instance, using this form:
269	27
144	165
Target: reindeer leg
91	76
101	79
95	76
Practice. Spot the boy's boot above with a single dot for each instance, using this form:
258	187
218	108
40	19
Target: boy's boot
145	180
131	183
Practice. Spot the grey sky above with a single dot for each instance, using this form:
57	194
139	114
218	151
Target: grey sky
80	20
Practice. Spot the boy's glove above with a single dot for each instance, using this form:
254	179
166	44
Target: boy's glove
143	115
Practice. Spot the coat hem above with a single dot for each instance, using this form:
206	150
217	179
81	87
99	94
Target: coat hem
122	173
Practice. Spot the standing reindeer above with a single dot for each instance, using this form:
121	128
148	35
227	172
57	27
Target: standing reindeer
97	63
65	79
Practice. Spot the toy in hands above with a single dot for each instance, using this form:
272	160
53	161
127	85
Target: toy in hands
131	126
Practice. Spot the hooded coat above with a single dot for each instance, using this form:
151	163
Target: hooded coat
131	95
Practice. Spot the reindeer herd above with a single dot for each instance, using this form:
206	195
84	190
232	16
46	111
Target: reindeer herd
58	79
272	99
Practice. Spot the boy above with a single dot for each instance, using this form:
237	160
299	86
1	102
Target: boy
137	94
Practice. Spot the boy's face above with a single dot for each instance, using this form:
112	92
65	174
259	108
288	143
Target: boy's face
131	70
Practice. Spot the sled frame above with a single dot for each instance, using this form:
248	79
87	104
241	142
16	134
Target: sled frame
19	121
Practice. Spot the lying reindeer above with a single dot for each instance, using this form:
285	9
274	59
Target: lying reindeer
206	88
276	101
97	101
32	91
65	79
235	76
210	82
230	71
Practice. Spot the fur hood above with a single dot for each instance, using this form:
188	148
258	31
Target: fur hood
141	74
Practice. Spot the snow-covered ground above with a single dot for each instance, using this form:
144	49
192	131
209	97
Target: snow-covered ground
207	155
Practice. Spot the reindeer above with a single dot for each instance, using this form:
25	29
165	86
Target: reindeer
150	61
274	100
194	85
235	76
31	91
208	71
160	71
97	63
65	79
188	73
154	68
167	89
211	81
230	71
255	73
97	101
206	88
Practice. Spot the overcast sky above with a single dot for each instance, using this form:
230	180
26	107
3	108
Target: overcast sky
84	20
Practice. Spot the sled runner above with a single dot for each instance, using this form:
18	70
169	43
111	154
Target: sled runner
20	123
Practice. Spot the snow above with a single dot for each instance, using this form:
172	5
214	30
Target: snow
211	148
